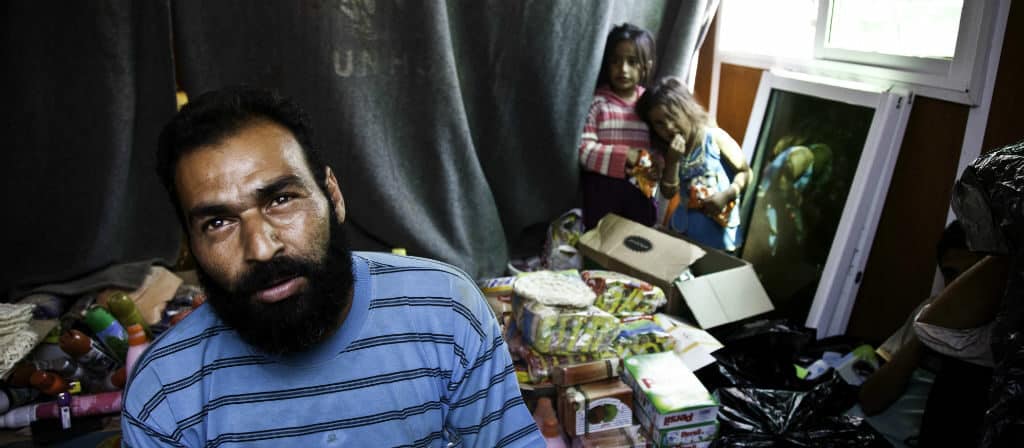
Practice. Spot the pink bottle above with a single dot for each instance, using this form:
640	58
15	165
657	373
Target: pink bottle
137	344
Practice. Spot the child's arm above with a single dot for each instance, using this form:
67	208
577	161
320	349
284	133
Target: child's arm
732	156
595	156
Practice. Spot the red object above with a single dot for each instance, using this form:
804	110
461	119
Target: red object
48	382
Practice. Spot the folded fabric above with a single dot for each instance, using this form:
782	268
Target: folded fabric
14	347
12	314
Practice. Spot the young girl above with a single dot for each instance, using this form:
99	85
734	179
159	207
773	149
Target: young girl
619	173
705	171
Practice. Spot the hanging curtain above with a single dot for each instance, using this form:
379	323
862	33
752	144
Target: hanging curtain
87	86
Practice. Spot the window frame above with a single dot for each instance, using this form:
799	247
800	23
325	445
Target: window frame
960	80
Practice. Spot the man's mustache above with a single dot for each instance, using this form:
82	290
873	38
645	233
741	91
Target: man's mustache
265	274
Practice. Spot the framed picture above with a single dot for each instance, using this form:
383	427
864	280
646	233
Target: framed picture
822	154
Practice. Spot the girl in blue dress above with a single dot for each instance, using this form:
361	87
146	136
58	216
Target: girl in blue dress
705	172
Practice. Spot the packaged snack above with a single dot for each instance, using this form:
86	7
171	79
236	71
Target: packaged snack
623	295
564	330
594	407
561	288
540	366
497	286
560	246
668	392
639	335
589	372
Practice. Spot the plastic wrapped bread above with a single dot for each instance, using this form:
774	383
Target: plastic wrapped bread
562	288
561	330
623	295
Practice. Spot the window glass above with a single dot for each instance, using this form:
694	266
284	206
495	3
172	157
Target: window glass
914	28
775	28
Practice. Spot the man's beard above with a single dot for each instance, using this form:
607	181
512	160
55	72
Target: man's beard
297	323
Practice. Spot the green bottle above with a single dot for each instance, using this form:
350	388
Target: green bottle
108	331
123	308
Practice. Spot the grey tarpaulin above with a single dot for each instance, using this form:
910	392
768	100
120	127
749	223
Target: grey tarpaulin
989	201
452	125
87	86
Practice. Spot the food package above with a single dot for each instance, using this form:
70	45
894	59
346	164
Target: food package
638	335
668	392
560	245
540	366
589	372
594	407
497	286
623	295
561	288
563	330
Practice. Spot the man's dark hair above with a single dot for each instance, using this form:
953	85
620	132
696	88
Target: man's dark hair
644	50
216	115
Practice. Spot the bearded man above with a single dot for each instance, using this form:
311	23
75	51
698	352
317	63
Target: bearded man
305	343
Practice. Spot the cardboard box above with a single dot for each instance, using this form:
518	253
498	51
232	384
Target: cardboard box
668	392
716	289
683	435
594	407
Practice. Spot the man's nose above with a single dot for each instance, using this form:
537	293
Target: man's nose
260	239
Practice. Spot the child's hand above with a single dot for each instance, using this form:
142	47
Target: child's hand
715	203
677	148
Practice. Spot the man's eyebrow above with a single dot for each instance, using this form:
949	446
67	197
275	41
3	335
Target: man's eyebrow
281	183
203	210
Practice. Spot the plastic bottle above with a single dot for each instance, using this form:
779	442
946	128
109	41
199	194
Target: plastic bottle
48	383
137	344
108	331
64	367
49	349
87	352
547	421
81	405
123	308
19	417
11	397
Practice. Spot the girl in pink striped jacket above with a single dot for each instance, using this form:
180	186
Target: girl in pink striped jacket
620	172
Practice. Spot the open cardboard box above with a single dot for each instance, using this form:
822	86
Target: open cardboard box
723	288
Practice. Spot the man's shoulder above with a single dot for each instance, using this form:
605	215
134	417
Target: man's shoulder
187	344
381	264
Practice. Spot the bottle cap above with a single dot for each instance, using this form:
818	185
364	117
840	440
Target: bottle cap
136	335
98	319
118	378
75	343
120	304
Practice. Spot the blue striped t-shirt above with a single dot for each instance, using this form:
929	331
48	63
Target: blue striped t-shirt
418	362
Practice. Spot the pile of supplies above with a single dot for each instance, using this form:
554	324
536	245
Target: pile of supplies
67	358
606	364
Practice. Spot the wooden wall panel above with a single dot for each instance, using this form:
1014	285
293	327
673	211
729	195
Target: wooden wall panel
705	62
736	92
901	267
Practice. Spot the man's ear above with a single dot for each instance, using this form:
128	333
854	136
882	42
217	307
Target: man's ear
334	194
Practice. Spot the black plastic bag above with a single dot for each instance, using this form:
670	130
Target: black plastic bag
753	417
989	201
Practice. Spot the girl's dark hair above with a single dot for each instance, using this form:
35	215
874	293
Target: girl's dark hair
221	114
644	48
673	94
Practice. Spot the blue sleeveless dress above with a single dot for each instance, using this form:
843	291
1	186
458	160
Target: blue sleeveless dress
704	167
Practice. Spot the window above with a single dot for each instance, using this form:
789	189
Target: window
937	48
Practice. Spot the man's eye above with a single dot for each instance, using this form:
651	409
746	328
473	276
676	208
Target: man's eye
280	200
213	224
